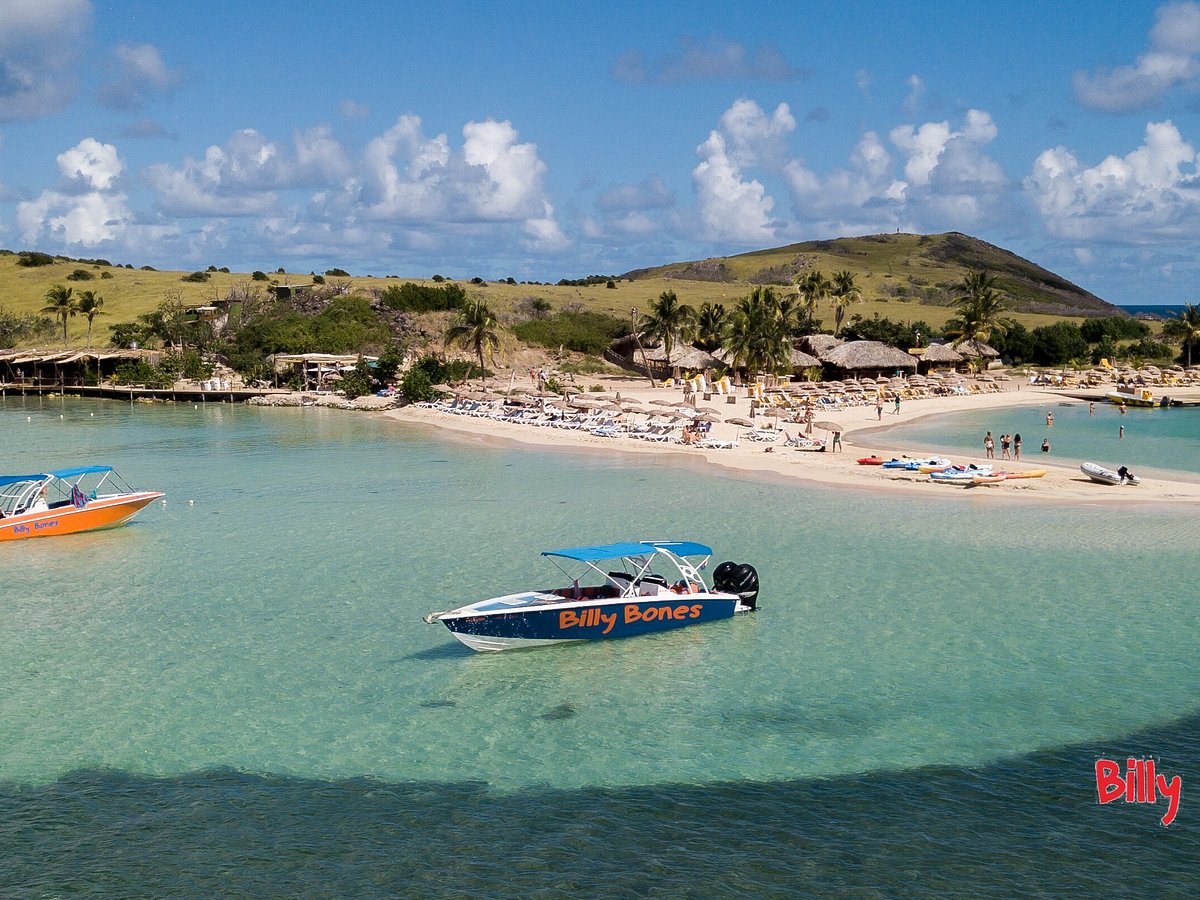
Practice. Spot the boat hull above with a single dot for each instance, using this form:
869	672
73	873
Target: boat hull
1101	475
106	512
625	617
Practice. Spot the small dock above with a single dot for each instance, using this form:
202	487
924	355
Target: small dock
131	394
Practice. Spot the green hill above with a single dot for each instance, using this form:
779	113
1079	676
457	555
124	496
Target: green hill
905	267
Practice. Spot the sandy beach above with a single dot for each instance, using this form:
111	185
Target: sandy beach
864	435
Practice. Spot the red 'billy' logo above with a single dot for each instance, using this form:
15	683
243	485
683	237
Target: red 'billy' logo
1138	785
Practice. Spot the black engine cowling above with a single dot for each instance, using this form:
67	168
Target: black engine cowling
737	578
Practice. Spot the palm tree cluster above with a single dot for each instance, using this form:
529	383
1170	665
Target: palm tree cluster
62	303
980	305
756	334
1185	328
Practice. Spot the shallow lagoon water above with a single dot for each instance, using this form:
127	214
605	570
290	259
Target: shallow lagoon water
265	641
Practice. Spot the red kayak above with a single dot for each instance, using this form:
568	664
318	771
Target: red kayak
872	461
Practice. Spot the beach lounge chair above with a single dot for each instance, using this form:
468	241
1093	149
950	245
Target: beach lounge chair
762	436
715	444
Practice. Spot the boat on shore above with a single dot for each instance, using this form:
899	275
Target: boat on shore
1143	397
962	475
1101	475
657	587
67	501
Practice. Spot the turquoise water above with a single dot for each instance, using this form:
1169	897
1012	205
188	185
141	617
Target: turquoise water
250	656
1159	439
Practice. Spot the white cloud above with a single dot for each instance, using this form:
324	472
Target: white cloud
732	207
1151	193
1172	59
139	75
40	42
90	212
94	164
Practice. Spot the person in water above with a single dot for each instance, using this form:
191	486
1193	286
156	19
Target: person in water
1045	445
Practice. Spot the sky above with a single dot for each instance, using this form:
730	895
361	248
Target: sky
549	140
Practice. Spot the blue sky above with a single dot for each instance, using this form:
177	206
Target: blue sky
548	140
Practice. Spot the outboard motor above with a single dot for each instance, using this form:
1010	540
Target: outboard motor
740	579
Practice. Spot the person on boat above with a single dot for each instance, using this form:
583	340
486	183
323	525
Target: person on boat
41	504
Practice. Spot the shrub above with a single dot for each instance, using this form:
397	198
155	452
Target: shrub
149	269
198	277
318	279
1148	349
581	331
357	383
611	285
438	278
106	274
477	280
31	259
337	273
416	386
80	275
1114	327
411	297
259	276
141	372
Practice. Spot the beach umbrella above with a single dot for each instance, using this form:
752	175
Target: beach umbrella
739	420
829	426
662	402
706	416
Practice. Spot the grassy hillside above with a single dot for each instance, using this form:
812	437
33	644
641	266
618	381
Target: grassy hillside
899	267
902	277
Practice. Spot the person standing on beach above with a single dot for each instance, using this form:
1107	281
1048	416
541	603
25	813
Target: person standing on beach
879	408
896	408
1017	445
1005	441
989	446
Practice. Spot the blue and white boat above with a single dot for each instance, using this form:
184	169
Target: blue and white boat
613	591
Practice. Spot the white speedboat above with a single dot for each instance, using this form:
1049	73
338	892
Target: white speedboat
656	588
1101	475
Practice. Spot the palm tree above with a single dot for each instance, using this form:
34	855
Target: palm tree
844	293
980	306
476	330
710	324
756	337
1184	326
60	303
90	306
668	321
811	289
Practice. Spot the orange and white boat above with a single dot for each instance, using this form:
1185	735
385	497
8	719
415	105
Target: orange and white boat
66	501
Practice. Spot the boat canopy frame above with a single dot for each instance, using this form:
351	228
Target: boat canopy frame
18	493
638	556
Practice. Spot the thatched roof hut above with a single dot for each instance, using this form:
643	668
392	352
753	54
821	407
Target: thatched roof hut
819	344
940	356
976	350
801	360
868	358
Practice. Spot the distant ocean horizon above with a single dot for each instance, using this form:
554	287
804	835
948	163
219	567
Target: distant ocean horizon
1160	310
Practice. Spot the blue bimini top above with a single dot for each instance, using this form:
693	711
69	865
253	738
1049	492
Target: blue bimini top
628	549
